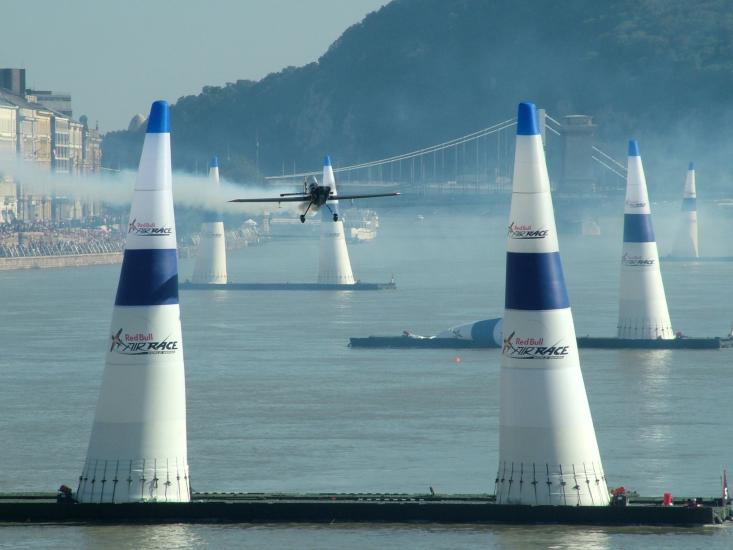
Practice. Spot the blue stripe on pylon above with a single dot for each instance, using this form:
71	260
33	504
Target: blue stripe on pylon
159	121
689	204
638	228
535	281
148	278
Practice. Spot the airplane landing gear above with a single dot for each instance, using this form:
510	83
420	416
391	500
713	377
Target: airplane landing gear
335	214
302	216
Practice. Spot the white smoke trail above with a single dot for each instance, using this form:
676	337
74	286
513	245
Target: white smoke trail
115	188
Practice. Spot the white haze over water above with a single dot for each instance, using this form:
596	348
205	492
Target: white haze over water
115	188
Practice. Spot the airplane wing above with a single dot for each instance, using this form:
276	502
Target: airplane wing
275	199
344	197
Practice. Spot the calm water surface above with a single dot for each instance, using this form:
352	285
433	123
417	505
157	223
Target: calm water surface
278	402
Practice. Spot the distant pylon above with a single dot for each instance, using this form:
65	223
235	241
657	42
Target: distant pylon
643	312
211	260
686	245
334	266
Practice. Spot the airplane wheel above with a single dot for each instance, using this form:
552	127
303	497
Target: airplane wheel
302	218
335	217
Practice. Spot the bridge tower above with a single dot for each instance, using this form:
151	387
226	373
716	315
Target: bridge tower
578	132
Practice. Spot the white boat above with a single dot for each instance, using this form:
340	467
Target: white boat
361	225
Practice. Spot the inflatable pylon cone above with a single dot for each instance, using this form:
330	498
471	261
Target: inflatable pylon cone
137	450
643	313
686	244
211	259
334	266
548	453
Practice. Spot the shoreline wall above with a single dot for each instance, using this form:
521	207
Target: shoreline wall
43	262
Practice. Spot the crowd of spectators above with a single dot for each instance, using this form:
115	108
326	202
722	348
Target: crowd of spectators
42	238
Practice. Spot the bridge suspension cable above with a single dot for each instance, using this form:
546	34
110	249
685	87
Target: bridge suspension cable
608	157
551	125
412	154
609	163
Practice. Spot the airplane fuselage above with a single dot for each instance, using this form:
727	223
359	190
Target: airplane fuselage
319	195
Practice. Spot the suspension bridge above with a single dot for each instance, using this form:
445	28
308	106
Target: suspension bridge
482	162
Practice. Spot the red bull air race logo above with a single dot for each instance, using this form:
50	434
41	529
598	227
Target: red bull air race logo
636	261
148	229
635	204
141	344
519	231
532	348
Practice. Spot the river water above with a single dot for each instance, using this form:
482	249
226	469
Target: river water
278	402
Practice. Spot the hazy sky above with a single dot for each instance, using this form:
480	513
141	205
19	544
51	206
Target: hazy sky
115	57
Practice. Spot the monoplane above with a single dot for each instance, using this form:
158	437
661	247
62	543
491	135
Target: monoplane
315	195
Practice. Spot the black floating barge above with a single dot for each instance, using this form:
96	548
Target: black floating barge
405	342
288	286
417	343
675	343
694	259
357	508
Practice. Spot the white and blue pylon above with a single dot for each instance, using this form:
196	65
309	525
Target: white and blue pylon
686	244
137	450
334	266
548	452
643	313
211	259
